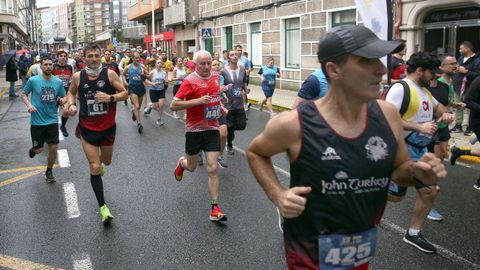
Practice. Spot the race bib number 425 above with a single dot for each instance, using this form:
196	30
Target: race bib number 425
339	251
96	108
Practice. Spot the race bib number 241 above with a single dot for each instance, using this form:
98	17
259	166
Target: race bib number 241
341	252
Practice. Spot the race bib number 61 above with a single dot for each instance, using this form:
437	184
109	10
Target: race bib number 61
339	251
96	108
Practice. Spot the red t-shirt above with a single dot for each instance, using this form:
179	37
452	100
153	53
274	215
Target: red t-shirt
201	117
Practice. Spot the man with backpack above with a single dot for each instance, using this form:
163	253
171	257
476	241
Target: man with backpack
418	109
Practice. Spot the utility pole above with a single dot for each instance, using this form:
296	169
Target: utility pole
153	24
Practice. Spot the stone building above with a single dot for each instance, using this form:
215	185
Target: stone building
288	30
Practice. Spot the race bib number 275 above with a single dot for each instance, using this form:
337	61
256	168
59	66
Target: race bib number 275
341	252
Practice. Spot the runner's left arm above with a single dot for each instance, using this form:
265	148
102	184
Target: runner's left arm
118	85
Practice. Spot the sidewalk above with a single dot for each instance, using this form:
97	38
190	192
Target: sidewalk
283	99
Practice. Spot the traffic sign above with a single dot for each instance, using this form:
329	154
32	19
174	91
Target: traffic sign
206	33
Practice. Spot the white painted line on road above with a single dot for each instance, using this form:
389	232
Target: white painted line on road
63	159
71	200
82	262
440	250
60	134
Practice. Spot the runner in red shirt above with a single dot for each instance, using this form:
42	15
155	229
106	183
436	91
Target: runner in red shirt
199	94
64	72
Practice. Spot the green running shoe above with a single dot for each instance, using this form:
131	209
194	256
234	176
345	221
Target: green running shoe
106	215
102	169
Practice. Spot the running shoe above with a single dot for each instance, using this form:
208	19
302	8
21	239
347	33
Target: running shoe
221	162
159	122
106	215
64	131
140	128
31	153
455	154
230	150
216	214
477	185
175	115
468	132
419	242
473	139
435	215
49	177
200	159
179	170
457	129
133	116
147	110
103	168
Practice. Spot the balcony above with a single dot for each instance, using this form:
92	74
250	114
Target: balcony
143	9
175	14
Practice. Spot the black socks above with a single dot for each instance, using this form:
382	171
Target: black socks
97	185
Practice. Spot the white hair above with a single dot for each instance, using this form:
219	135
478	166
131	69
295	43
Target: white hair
201	53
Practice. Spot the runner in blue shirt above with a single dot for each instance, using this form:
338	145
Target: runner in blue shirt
46	90
268	74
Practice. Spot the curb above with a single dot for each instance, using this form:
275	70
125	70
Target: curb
274	106
469	159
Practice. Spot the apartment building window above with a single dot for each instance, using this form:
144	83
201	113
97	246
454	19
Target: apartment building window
345	17
292	43
6	6
256	43
228	38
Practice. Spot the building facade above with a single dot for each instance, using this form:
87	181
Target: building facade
439	26
181	17
63	29
17	24
49	24
289	30
141	11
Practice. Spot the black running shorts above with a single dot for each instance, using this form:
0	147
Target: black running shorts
208	141
156	95
442	135
44	134
97	138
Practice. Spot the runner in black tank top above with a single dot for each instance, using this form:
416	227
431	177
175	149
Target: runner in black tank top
98	90
349	191
344	149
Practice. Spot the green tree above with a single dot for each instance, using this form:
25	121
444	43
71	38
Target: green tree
118	31
87	38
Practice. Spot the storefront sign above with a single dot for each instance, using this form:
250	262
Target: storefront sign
460	14
160	37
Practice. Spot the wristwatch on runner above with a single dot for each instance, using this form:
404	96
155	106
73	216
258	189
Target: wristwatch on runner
112	98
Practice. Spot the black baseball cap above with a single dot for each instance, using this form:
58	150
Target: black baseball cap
357	40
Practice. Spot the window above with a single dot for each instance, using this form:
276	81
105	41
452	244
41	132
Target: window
6	6
292	43
256	43
344	17
228	38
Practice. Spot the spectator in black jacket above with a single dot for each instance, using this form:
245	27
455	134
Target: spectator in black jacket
11	76
468	69
472	101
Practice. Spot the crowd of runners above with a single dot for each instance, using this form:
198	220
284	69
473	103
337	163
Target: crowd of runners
349	151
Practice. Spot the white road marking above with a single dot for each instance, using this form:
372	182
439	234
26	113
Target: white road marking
71	200
440	250
60	134
63	159
82	262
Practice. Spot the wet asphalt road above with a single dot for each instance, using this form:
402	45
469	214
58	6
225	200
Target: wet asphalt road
162	224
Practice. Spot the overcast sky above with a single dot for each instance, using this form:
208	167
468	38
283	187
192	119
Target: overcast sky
46	3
